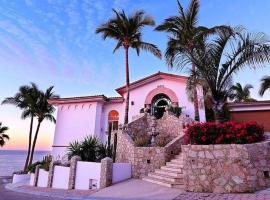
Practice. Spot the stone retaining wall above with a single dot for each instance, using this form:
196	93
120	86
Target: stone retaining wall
144	159
226	168
170	125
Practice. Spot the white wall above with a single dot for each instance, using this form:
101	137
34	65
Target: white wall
32	179
121	172
21	178
60	177
74	122
86	171
42	178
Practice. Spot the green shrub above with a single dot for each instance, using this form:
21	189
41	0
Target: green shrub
162	140
89	149
177	111
142	139
45	164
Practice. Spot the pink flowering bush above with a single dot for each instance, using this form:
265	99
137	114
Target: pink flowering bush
226	133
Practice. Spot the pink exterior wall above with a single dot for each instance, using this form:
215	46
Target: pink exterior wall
74	122
119	107
139	95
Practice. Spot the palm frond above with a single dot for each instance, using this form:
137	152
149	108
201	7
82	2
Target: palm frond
265	85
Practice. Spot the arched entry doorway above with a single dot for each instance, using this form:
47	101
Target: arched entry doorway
158	98
113	118
159	104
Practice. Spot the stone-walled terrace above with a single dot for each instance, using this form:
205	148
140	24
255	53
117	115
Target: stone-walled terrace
147	159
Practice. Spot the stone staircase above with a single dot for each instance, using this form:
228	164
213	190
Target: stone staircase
170	175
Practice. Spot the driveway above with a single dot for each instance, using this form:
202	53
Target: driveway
132	189
9	195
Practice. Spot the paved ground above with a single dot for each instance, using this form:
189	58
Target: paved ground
137	189
133	189
9	195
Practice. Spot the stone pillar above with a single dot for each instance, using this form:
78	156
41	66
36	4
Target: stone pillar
106	172
50	176
72	171
36	175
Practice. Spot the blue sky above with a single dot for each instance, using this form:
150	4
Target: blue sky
53	42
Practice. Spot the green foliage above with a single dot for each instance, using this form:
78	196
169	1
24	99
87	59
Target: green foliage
127	30
31	168
141	139
240	93
3	136
176	110
104	151
265	85
162	140
89	149
45	164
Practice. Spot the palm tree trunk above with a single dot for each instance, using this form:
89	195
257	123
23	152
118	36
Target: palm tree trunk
127	87
218	117
195	97
34	143
29	144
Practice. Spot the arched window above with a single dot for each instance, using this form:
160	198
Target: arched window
113	118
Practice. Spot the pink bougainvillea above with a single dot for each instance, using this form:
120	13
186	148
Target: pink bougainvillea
226	133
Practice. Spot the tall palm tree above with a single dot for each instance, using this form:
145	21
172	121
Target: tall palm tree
184	32
43	110
241	94
127	31
25	99
223	55
3	136
265	85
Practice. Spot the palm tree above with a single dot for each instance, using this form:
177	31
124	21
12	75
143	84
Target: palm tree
43	110
241	94
3	136
223	55
185	33
127	31
265	85
25	99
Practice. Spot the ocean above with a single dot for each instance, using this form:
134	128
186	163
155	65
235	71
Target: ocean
13	160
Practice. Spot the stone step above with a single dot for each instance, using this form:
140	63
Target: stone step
179	156
175	165
176	161
163	183
169	173
172	169
166	178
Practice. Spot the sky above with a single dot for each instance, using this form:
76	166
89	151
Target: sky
53	42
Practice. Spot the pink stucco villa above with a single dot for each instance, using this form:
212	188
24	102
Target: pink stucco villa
86	115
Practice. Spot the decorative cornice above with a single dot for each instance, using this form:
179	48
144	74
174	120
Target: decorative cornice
85	99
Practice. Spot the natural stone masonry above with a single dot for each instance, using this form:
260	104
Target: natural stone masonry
226	168
145	159
36	175
50	176
106	172
72	172
170	175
